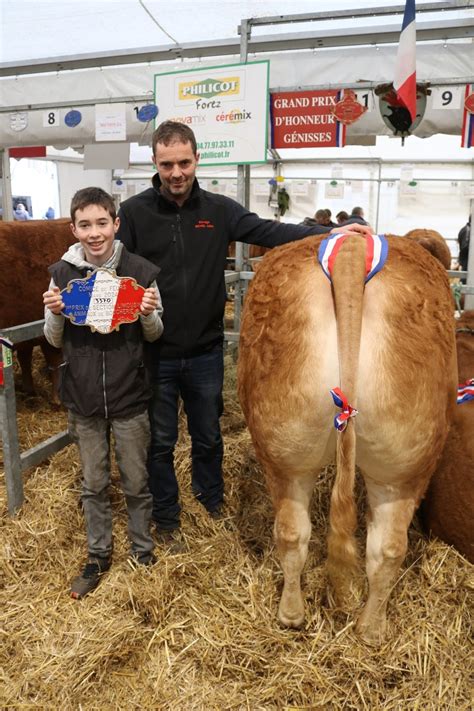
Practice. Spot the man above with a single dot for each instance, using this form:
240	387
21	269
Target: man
320	219
357	216
20	213
186	231
464	237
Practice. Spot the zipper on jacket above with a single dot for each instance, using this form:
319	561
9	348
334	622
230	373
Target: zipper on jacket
103	386
183	267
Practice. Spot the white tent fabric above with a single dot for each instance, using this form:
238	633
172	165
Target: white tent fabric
287	71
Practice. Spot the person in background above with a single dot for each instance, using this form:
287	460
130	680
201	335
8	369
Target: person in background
320	220
21	213
342	217
357	216
49	214
464	238
105	385
329	223
187	231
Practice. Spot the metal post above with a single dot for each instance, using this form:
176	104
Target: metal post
6	186
378	198
11	449
469	298
243	182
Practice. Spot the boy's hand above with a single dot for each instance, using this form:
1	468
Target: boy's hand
150	301
53	301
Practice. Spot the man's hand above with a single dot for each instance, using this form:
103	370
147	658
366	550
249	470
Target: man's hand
150	301
354	227
53	301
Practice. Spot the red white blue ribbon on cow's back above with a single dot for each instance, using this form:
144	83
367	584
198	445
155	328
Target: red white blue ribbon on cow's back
466	391
347	411
376	252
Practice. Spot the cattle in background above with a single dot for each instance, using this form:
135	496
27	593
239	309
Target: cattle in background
434	243
448	509
26	251
390	347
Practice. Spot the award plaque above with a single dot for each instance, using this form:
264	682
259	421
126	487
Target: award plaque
102	300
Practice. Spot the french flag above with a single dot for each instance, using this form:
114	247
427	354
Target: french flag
467	135
405	68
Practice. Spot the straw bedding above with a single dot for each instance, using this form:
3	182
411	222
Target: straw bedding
199	630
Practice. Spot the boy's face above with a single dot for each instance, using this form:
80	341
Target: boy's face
95	229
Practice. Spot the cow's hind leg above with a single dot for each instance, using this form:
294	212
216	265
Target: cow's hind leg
391	510
291	499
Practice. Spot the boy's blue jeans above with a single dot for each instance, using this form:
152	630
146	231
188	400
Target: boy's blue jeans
132	437
199	382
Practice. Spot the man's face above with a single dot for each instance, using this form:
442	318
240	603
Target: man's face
95	229
176	165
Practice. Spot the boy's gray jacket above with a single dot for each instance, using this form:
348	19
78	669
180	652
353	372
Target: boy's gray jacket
105	375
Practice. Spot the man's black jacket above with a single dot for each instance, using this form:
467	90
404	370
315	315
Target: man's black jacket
190	244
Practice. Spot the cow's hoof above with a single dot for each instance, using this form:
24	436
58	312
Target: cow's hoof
373	636
293	620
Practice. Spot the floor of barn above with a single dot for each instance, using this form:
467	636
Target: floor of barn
199	630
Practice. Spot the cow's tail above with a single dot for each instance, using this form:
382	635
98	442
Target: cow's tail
348	279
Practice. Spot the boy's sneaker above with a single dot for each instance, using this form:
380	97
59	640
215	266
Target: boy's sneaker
171	539
146	559
89	579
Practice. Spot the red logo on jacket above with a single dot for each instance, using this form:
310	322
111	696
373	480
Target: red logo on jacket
204	225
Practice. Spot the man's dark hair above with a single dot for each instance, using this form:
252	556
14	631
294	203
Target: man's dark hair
171	131
342	216
358	211
92	196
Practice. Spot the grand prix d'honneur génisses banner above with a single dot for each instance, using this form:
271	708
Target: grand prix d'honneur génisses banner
226	107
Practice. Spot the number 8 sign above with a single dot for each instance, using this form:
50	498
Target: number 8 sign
50	118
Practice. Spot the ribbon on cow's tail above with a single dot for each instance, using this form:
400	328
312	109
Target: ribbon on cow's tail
347	411
466	391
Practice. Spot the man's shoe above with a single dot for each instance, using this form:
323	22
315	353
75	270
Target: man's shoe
171	539
89	579
217	514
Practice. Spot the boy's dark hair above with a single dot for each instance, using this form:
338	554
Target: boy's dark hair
171	131
357	211
92	196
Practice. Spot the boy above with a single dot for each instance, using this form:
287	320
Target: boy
104	384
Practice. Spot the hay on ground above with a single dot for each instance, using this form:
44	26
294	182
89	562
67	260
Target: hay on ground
199	630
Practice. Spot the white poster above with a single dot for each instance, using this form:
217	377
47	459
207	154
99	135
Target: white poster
226	106
110	122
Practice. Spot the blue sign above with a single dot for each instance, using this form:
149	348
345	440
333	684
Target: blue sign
147	113
73	118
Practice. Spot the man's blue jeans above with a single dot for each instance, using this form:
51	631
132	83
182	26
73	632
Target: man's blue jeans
199	382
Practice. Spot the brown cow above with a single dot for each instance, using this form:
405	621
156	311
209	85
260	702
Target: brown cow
448	509
434	243
27	249
390	347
